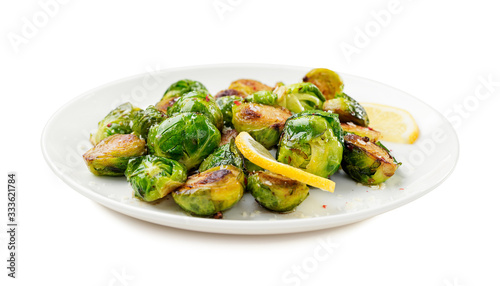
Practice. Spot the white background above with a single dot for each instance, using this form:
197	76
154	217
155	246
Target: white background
435	50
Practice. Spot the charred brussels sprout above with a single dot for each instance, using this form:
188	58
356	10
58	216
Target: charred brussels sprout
198	102
367	162
371	133
110	156
299	97
263	97
263	122
186	137
225	155
328	81
153	178
212	191
249	86
348	109
165	103
312	141
228	135
178	89
145	119
226	107
118	121
276	192
230	92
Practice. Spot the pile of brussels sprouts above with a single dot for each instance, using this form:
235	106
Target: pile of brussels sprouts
184	144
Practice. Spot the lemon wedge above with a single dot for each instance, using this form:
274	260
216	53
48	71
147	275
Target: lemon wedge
396	124
261	157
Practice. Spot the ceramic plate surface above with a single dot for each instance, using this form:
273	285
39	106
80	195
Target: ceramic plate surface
426	163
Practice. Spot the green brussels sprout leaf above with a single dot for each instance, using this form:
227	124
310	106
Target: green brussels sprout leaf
299	97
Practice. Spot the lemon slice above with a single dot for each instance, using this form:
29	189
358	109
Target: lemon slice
261	157
395	124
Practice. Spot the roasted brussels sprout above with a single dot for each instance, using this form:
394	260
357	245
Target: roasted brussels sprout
276	192
328	81
225	155
299	97
228	134
111	155
198	102
263	97
118	121
165	103
263	122
184	86
226	107
367	162
249	86
186	137
176	90
145	119
371	133
348	109
230	92
212	191
153	177
312	141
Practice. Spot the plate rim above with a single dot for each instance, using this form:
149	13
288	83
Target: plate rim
242	227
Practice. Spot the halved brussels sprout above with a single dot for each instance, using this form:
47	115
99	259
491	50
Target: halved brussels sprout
328	81
226	107
230	92
367	162
198	102
225	155
176	90
263	122
312	141
111	155
212	191
249	86
153	178
371	133
276	192
263	97
228	134
118	121
145	119
299	97
165	103
348	109
186	137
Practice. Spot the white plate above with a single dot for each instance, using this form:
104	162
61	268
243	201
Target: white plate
426	163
